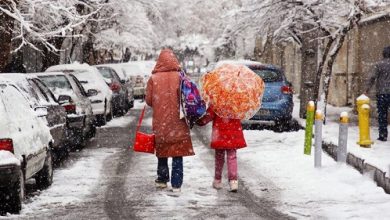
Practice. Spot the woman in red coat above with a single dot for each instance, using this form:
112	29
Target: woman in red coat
226	136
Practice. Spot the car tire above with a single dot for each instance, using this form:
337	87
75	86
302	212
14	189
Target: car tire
110	115
92	132
101	120
131	104
16	195
44	178
282	125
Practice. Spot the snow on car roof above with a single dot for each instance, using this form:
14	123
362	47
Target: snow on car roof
74	66
139	67
47	74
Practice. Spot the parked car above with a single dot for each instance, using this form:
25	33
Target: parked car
121	99
138	72
277	103
72	96
40	96
124	79
91	79
24	147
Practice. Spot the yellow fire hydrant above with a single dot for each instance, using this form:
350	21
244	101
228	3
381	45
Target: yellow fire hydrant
363	108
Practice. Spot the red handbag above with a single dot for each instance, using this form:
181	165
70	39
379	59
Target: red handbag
143	142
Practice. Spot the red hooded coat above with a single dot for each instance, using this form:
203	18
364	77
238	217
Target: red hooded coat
226	134
162	94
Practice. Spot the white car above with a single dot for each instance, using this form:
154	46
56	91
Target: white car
24	146
138	72
91	79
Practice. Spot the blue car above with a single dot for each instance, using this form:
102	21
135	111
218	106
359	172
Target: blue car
277	103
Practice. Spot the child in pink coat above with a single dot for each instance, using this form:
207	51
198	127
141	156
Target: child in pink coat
226	137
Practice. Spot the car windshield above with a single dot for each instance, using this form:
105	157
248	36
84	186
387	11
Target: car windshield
269	75
56	82
106	73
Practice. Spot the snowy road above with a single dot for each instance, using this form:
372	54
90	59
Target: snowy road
106	181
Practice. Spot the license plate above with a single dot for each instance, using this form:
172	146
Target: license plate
264	112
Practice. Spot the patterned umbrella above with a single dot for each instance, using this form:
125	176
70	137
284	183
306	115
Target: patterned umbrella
234	91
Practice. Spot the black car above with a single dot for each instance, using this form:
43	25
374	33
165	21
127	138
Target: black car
120	93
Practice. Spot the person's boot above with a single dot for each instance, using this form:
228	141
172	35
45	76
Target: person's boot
233	185
160	184
382	139
217	184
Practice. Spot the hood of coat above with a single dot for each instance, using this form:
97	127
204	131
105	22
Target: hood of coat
167	62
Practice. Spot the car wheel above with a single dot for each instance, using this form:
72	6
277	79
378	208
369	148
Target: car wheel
282	124
16	195
44	178
131	104
110	115
101	120
92	131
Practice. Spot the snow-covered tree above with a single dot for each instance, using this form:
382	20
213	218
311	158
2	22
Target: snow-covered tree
289	20
39	21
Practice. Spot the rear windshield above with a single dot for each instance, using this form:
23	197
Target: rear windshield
56	82
269	75
105	72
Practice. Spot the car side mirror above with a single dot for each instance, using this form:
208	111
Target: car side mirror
123	81
64	99
92	92
41	111
83	81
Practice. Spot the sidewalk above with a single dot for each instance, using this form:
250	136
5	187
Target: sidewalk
374	161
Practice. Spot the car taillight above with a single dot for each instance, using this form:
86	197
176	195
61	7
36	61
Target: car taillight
287	90
115	87
6	144
70	108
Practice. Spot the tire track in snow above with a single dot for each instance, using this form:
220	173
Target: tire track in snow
263	207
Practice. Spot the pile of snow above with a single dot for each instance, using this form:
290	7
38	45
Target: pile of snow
8	158
71	185
119	122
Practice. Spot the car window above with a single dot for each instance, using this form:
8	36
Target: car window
15	103
269	75
105	72
56	82
30	93
45	90
40	93
79	86
115	74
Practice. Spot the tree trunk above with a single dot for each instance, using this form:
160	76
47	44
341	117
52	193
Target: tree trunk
5	40
309	65
320	70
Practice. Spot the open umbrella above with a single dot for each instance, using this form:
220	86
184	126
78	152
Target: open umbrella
234	91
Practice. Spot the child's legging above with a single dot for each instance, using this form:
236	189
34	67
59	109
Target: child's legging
231	164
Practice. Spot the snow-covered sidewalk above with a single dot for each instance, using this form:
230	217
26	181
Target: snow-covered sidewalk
334	191
379	153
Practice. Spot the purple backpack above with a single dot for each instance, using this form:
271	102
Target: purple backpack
191	104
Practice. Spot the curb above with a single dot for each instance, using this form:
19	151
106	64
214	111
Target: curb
360	165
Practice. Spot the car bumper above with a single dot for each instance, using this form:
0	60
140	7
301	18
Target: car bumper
98	107
58	134
118	101
9	175
273	111
139	91
75	121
